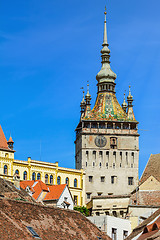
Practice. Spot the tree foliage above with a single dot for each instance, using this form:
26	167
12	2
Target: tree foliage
83	210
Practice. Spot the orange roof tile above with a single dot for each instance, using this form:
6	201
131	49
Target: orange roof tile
55	192
3	141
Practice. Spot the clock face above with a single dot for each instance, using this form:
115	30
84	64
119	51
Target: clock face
100	141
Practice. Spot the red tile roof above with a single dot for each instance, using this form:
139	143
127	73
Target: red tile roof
36	187
49	223
3	141
145	198
150	230
55	192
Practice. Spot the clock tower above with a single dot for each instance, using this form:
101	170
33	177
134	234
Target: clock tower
107	139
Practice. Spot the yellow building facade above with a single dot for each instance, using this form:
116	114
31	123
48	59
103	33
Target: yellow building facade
49	173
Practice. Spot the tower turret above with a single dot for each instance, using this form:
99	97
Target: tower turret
88	102
83	106
130	113
10	143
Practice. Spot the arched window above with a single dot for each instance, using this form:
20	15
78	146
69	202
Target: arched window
38	176
75	182
51	179
58	180
46	178
67	181
17	171
33	176
5	169
25	175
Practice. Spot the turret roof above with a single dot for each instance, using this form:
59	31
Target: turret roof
10	140
3	141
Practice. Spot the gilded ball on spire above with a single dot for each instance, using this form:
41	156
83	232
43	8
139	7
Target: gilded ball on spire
105	10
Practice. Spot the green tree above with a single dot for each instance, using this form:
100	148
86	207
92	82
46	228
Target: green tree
83	210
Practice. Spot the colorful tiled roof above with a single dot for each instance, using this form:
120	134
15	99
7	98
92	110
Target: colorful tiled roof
55	192
152	168
107	108
3	141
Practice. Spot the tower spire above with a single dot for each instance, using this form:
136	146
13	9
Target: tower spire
106	76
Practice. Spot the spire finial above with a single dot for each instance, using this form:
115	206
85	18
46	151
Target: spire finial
87	87
105	10
105	28
129	95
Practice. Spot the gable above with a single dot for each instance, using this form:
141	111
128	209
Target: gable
152	168
150	184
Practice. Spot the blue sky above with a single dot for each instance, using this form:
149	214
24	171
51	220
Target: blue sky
50	49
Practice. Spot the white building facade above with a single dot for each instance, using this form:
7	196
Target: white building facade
116	228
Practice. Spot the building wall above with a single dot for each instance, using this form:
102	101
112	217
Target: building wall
107	223
138	213
98	162
33	166
65	194
106	206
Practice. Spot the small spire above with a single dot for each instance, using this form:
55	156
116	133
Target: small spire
88	96
129	95
82	105
124	104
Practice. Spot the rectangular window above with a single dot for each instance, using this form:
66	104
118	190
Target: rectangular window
99	194
75	200
125	234
102	179
88	195
90	178
130	180
112	179
114	234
